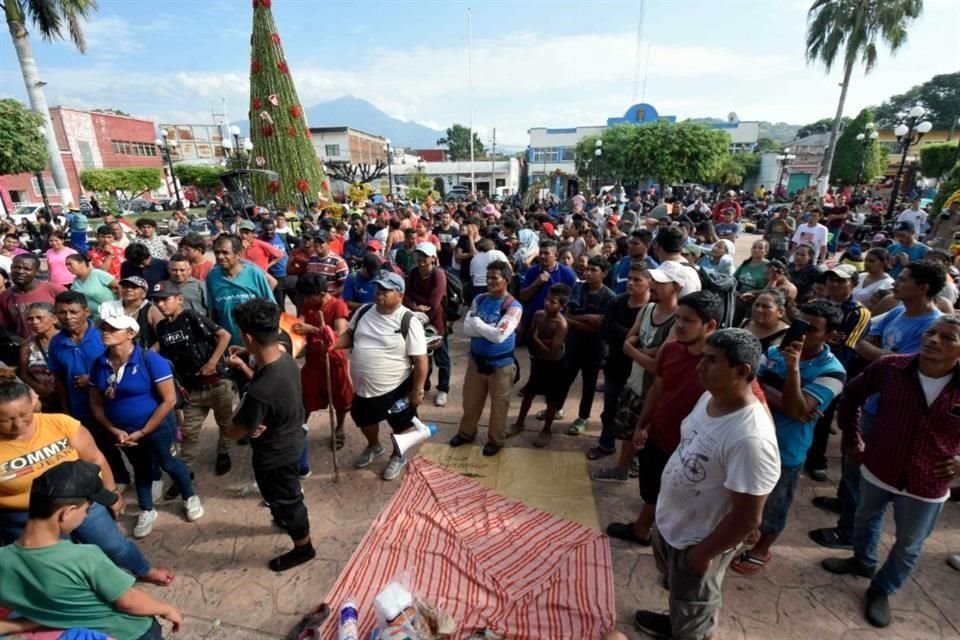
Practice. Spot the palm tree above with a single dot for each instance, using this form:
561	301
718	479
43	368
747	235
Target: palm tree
51	18
852	28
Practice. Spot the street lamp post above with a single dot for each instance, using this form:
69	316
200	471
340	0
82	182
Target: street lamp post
784	159
865	139
42	187
386	148
909	132
165	146
598	154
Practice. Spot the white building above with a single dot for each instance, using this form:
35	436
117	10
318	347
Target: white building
489	175
345	144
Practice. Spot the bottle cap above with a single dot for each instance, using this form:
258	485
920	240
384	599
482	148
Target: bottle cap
433	429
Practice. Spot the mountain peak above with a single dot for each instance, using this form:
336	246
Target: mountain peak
357	113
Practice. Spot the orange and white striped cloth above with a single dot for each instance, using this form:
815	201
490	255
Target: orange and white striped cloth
488	561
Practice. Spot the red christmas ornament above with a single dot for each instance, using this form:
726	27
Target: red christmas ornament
275	37
267	131
273	186
295	112
262	3
303	186
255	66
257	104
282	65
292	131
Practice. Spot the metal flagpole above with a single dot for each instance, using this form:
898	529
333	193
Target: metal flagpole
473	181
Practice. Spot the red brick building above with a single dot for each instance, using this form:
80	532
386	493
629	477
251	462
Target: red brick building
88	140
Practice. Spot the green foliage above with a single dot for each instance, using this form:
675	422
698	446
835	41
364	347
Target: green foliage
457	142
52	17
767	144
584	156
203	176
22	147
421	186
938	159
947	188
129	181
822	125
736	168
846	159
940	96
779	131
279	131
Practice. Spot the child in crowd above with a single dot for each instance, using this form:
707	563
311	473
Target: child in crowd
547	334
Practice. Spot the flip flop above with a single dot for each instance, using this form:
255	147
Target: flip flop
748	565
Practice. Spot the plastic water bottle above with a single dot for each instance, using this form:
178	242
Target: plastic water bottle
399	406
349	626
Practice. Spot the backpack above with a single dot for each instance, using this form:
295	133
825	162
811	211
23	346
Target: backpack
453	300
404	320
725	288
507	301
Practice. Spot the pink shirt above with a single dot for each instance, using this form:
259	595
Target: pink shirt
57	266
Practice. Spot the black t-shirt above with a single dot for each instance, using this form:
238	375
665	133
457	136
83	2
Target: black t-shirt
273	399
448	240
188	342
583	302
463	243
616	324
154	272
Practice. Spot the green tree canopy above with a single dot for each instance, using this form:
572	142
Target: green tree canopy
22	146
940	96
846	160
203	176
767	144
937	160
457	142
130	182
736	168
421	186
820	126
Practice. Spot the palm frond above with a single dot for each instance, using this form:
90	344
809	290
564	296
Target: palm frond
50	16
45	18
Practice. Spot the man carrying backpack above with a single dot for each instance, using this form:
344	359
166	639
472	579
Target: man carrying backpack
426	288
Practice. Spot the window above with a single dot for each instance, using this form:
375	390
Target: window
553	154
86	155
48	184
127	148
331	150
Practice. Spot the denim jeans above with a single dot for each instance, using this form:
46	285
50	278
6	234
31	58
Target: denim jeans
914	521
777	507
98	528
153	451
612	388
849	490
441	356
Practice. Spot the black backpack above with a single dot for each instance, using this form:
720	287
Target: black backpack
454	304
404	319
725	287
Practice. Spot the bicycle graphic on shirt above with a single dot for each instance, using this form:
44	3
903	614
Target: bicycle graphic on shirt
693	467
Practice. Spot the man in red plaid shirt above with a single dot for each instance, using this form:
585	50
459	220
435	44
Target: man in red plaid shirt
910	457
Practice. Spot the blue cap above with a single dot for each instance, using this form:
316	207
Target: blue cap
433	429
390	280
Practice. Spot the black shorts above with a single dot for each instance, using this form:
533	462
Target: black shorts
547	378
652	463
368	412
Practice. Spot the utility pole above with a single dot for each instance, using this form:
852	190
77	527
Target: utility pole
493	164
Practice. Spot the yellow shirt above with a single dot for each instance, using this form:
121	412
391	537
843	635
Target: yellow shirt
23	460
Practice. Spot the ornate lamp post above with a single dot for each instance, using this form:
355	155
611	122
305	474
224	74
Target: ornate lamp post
909	132
784	159
165	146
598	153
865	139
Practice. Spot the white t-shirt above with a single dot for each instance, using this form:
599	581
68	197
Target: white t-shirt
380	358
862	293
733	453
478	266
933	386
815	236
917	217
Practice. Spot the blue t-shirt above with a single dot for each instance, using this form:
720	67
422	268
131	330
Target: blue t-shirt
561	273
916	251
900	334
822	378
491	311
359	288
67	360
224	294
279	269
134	397
622	272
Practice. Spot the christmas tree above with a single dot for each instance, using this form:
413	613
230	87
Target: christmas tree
278	125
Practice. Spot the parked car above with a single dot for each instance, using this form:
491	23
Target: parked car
28	213
457	192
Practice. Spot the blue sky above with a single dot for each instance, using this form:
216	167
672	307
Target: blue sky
535	63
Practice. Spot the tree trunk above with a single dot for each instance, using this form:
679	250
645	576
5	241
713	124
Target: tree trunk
38	103
823	182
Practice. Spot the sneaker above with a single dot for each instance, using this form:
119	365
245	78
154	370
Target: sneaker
156	490
611	474
878	608
458	441
827	503
174	491
491	449
303	474
830	538
579	426
844	566
144	525
817	475
394	467
441	399
635	467
193	508
624	531
223	464
542	414
368	456
655	625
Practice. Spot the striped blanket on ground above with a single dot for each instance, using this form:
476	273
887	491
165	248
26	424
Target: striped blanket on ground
488	561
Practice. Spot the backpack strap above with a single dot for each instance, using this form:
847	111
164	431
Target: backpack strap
404	320
507	301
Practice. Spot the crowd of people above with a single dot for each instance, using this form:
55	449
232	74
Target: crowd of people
721	377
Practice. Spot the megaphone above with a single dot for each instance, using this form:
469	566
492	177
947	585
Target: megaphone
413	436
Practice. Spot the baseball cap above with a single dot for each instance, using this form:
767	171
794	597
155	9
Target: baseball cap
165	289
844	271
376	245
74	479
322	235
879	238
246	225
390	280
904	225
669	271
136	281
548	228
426	248
116	318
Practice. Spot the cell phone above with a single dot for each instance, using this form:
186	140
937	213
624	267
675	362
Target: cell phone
798	329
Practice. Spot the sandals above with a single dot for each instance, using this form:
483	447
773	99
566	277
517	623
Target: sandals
339	439
624	531
748	565
599	452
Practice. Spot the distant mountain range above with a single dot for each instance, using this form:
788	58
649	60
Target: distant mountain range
779	131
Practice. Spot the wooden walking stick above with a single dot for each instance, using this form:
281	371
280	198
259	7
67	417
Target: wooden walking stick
333	418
